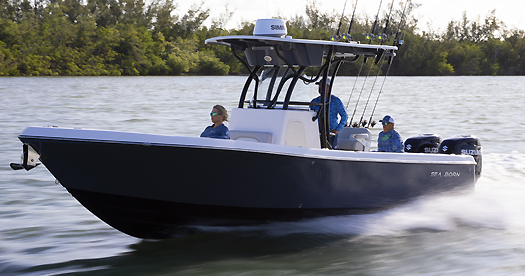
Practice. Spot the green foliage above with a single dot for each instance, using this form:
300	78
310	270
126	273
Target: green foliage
138	37
7	62
208	64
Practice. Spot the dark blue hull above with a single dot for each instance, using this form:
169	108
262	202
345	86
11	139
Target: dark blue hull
156	191
157	219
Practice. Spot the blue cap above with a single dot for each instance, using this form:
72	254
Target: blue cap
321	81
388	119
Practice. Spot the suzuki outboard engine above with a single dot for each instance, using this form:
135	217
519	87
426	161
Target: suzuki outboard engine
423	143
466	145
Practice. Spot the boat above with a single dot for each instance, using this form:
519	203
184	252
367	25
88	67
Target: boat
277	166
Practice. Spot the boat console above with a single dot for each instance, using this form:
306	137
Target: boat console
281	60
281	127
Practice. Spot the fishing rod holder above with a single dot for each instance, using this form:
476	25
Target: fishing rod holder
335	38
380	37
341	38
346	37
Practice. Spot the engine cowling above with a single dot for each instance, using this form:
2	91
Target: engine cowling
465	145
423	143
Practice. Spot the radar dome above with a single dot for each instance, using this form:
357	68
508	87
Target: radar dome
270	27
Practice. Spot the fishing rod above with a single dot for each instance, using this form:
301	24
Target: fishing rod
397	43
384	36
369	37
360	93
336	37
379	67
325	108
348	37
370	94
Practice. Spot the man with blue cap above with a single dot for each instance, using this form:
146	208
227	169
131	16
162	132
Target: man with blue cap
336	108
389	139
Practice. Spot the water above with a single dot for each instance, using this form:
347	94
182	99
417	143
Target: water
44	231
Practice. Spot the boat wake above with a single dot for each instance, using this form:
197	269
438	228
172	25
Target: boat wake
497	203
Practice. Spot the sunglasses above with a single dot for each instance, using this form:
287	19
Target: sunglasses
213	114
385	123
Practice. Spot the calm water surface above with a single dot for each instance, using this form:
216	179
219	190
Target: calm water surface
44	231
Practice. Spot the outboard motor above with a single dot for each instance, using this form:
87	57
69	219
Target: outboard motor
466	145
423	143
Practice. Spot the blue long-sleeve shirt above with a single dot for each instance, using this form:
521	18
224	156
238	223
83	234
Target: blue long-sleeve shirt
221	132
390	141
336	108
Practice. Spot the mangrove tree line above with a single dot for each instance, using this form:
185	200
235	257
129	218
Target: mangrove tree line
132	37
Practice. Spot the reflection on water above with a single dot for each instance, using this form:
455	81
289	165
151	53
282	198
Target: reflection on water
44	231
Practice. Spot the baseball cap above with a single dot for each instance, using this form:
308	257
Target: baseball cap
388	119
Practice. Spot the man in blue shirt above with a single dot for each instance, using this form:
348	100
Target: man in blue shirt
336	108
389	139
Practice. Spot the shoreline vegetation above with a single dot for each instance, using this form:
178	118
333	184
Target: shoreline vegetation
131	37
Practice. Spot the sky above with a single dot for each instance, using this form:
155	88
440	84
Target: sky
436	13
